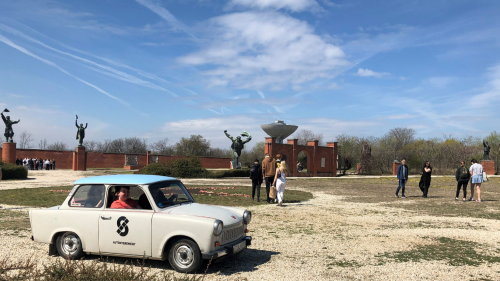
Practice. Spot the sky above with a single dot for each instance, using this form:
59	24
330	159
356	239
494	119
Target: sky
159	69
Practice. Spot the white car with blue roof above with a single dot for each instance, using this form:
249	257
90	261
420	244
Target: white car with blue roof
140	216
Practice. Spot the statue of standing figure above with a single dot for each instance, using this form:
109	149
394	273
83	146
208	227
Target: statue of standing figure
9	133
487	148
80	134
237	146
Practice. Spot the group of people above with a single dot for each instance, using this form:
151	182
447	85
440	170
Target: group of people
273	173
37	164
463	175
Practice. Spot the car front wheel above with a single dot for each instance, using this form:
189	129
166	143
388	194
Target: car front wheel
184	256
69	246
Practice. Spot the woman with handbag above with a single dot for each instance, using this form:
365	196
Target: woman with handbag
426	178
280	182
476	171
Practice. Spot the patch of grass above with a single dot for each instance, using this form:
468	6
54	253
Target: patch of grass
455	252
342	263
14	220
35	197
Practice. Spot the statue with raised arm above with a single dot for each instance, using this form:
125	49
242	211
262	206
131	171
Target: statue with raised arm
237	146
80	134
487	148
9	133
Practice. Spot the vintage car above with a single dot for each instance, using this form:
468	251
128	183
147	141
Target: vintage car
169	225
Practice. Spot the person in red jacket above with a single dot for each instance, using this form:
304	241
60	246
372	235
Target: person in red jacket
124	201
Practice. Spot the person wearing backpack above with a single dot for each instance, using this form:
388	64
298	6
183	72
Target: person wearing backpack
256	177
462	175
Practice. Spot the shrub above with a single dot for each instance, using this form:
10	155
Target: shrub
182	168
13	172
239	173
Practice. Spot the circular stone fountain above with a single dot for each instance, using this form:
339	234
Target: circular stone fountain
279	130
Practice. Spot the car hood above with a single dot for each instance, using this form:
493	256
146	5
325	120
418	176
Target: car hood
228	217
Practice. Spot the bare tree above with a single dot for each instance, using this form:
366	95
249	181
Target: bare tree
90	146
42	144
403	136
196	145
58	145
25	139
161	147
304	136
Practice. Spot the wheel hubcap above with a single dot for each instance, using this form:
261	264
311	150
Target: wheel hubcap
70	244
183	256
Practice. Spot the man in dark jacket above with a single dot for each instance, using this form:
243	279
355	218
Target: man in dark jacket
268	172
402	175
463	176
256	177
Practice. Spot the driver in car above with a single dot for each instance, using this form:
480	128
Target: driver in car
124	201
157	195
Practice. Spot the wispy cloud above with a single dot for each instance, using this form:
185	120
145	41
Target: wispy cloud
292	5
439	82
166	15
261	94
491	96
253	50
370	73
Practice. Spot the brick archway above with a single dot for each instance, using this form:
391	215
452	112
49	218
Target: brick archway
321	160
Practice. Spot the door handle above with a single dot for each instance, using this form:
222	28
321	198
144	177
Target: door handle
105	218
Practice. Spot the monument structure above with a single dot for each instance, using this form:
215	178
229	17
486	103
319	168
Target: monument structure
9	146
279	130
80	134
237	146
80	156
487	163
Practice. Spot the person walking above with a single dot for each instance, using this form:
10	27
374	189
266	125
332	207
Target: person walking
280	182
40	164
268	172
476	171
255	176
462	175
426	178
402	175
53	164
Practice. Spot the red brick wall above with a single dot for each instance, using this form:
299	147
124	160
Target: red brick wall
64	159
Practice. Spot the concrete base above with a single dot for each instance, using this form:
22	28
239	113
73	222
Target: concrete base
9	152
234	165
132	167
488	166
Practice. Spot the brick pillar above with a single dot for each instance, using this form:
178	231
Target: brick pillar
395	166
292	166
315	165
80	159
358	169
488	166
269	146
9	152
334	159
148	157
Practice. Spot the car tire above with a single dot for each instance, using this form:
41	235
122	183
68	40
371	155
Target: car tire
185	256
69	246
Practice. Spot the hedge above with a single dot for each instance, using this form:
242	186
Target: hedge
13	172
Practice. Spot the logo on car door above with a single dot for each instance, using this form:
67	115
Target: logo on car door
122	226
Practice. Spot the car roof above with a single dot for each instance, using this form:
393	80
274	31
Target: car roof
123	179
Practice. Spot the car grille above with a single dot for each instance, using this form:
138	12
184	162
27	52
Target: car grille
232	234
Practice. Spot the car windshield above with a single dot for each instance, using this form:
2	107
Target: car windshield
166	194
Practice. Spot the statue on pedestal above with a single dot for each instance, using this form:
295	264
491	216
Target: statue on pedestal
80	134
237	146
487	148
9	133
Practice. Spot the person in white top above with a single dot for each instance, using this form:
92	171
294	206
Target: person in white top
476	171
280	182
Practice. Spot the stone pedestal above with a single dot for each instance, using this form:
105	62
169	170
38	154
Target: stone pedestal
395	166
235	165
9	152
488	166
80	159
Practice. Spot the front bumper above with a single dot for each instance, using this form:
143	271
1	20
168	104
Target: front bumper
228	249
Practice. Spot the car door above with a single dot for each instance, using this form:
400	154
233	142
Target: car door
125	232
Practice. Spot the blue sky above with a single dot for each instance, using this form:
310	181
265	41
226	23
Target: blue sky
156	69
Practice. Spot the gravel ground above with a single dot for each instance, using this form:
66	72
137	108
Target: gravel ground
327	238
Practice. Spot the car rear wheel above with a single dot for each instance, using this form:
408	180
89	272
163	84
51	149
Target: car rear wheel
184	256
69	246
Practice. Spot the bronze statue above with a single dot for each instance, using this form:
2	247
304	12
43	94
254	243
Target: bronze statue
9	133
237	146
487	148
80	134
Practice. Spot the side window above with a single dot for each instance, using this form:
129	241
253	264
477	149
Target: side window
131	197
88	196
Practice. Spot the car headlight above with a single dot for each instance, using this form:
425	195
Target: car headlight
218	225
247	217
